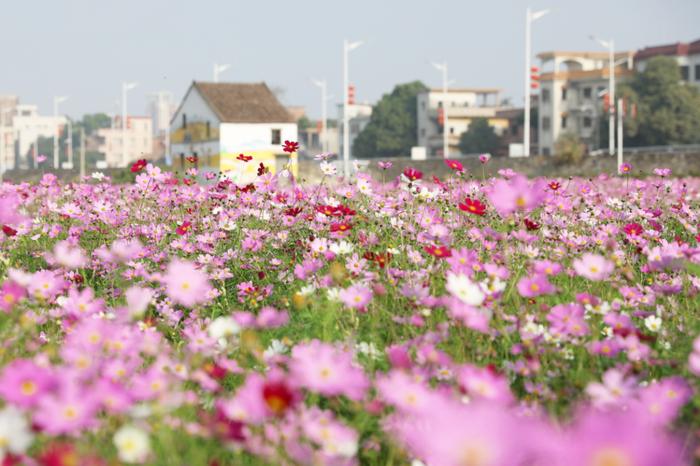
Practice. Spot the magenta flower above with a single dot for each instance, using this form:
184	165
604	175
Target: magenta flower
356	297
69	411
185	284
23	383
567	319
516	195
385	165
535	285
10	294
593	267
328	370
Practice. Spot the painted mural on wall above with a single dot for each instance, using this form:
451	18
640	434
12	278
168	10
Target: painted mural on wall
195	132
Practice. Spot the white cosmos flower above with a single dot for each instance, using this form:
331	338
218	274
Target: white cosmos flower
328	169
461	287
653	323
222	328
99	176
276	347
342	247
133	444
15	434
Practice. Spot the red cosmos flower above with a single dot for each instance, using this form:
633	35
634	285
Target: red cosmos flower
193	159
227	429
554	185
380	259
138	165
329	210
244	158
290	146
336	227
345	210
215	371
438	251
249	188
184	228
412	174
262	169
633	229
278	396
455	165
292	211
188	181
530	225
473	206
8	230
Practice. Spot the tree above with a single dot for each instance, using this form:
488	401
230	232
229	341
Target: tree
479	138
569	149
668	110
304	123
392	128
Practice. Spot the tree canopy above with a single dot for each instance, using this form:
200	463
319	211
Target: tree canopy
479	138
668	109
392	129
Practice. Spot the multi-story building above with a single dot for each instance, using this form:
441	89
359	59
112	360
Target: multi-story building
28	127
358	117
686	54
139	141
461	107
8	109
571	89
219	121
311	140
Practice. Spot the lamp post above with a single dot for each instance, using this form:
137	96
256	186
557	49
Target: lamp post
347	47
610	45
529	18
324	115
126	86
3	159
56	101
219	69
445	125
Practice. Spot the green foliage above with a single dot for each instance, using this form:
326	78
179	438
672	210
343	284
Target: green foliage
569	149
668	110
479	138
392	129
304	123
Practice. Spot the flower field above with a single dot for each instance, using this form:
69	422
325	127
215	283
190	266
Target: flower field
472	320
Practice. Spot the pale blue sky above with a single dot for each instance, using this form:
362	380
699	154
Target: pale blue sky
85	48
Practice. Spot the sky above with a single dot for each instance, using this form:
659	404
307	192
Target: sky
84	49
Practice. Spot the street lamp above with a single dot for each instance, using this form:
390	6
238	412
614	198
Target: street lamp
324	102
347	47
3	157
445	126
219	69
610	45
529	18
126	86
56	101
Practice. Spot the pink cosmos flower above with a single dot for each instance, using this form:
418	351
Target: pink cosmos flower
406	393
567	319
535	285
593	267
516	195
68	256
663	399
616	389
68	411
185	284
328	370
82	303
23	383
484	383
356	296
10	294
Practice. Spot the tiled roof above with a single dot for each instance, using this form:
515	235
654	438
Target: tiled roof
243	102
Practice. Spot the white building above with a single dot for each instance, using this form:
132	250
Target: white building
139	141
8	108
570	98
28	127
462	106
358	117
686	54
219	121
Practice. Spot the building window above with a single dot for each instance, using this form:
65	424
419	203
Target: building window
276	136
697	72
546	123
587	122
452	130
422	132
563	122
439	103
422	104
587	92
685	73
184	120
563	93
545	95
208	130
545	151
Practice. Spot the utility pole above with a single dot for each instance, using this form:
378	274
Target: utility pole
56	101
69	144
82	152
125	88
324	114
610	45
218	69
347	47
620	110
529	18
445	124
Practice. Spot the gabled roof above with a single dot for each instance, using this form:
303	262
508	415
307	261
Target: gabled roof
243	102
677	49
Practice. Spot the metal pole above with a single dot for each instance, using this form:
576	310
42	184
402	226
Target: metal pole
82	152
611	85
346	134
36	150
216	73
2	146
55	139
69	144
324	117
124	125
526	129
446	126
620	160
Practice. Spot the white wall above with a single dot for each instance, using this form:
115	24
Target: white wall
195	108
251	137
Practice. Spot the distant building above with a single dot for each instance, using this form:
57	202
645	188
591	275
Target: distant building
8	109
311	140
686	54
462	106
219	121
358	117
28	127
139	139
570	100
